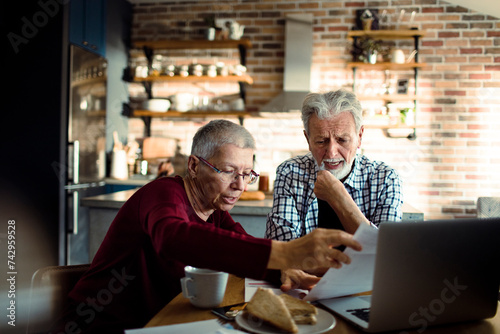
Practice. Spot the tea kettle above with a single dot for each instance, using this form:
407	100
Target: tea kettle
236	30
398	56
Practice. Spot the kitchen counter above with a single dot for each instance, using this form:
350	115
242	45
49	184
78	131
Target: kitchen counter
103	209
117	199
254	208
250	214
136	180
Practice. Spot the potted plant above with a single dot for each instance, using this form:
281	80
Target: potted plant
366	49
210	32
407	116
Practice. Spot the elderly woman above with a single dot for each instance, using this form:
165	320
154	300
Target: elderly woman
173	222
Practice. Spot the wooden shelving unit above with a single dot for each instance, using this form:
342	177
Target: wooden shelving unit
388	66
385	66
193	44
191	114
149	47
387	34
192	79
387	97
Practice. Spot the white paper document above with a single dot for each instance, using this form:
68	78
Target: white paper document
352	278
207	326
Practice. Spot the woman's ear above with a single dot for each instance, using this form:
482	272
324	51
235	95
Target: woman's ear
192	166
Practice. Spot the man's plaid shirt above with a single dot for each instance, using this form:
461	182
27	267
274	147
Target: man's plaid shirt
374	186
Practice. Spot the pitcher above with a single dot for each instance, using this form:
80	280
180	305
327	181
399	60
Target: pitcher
236	30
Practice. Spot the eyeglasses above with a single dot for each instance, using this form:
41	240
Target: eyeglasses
232	176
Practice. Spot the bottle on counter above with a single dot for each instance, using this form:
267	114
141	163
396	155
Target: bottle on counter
133	153
264	182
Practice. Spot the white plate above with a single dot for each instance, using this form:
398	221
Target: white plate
325	322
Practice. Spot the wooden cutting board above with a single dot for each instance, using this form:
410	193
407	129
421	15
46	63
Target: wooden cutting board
158	147
252	196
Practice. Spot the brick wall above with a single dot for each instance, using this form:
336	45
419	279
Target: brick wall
456	156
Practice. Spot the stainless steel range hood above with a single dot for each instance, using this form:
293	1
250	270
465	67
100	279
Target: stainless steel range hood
298	60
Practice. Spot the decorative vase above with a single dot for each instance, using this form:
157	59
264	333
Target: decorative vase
372	57
367	24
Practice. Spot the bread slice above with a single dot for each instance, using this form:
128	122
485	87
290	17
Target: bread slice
305	319
302	312
297	306
270	308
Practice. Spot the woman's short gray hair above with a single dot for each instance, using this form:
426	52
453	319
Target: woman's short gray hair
331	104
211	137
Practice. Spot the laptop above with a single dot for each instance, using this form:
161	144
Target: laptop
429	273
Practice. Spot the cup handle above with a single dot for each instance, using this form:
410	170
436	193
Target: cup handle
184	285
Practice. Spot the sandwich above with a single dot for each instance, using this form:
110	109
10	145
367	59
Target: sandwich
302	312
270	308
283	312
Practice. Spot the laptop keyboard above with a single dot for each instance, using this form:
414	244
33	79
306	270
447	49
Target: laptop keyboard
362	313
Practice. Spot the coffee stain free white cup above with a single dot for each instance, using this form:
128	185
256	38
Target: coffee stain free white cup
204	288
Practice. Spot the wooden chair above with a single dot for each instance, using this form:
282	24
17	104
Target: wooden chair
49	290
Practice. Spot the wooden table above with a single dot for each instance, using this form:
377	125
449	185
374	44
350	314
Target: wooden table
180	310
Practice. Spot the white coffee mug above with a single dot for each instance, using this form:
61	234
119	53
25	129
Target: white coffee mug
205	288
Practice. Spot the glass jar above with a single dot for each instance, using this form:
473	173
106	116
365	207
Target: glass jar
184	71
212	71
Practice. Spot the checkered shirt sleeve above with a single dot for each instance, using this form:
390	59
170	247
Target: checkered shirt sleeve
294	212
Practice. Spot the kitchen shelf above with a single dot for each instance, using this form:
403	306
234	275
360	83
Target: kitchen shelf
387	34
193	44
382	66
389	126
190	114
192	79
387	97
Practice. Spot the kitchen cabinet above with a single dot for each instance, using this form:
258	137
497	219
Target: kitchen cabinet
387	98
149	47
88	25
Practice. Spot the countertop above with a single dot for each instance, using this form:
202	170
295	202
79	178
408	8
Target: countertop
136	180
117	199
253	208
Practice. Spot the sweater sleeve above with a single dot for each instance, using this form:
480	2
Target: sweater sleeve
176	232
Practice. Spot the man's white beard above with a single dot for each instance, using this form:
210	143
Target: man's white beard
338	173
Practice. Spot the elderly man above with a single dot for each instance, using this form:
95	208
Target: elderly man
331	186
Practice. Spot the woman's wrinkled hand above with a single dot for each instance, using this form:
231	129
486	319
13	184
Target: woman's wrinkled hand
297	279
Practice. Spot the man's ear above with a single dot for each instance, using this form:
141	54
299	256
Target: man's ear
193	165
360	135
307	138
